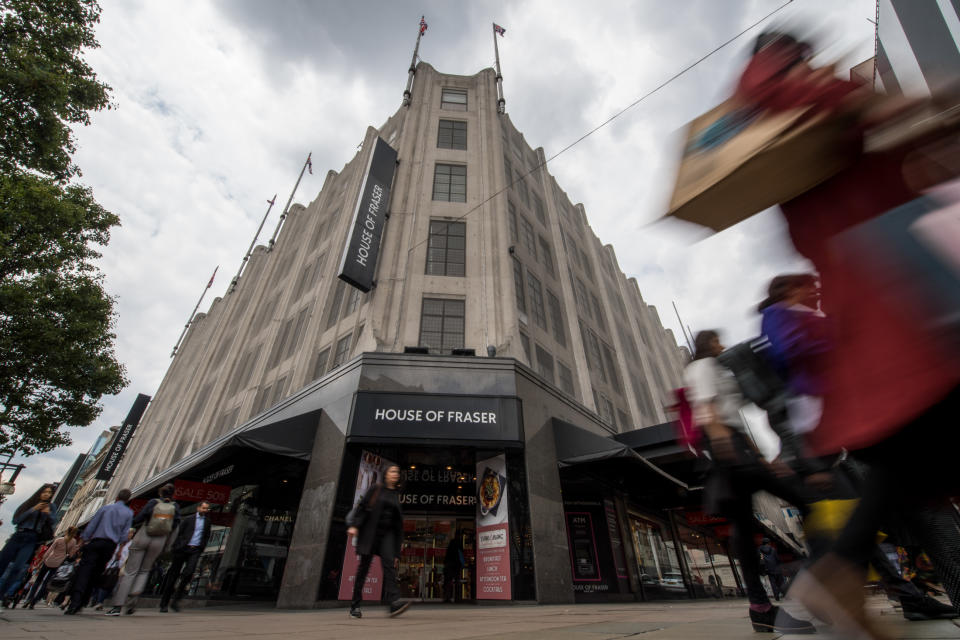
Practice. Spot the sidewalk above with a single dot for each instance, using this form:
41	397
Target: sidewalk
712	620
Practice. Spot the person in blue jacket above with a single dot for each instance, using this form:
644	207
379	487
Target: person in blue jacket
35	521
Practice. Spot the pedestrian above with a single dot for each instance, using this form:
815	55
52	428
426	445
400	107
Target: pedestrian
156	523
108	528
774	570
453	562
111	574
188	544
376	526
891	388
737	471
34	522
62	548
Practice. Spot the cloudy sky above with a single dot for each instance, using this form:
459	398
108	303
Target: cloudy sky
220	102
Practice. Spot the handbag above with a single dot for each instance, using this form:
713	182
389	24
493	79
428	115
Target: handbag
62	579
358	515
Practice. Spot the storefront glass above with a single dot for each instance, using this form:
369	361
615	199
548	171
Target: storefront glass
710	569
657	563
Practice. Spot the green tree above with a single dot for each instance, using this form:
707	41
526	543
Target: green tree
56	341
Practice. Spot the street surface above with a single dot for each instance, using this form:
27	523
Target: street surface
712	620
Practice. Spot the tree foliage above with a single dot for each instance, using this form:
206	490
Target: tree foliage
56	341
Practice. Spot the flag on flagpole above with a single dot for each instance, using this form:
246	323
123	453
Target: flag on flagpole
499	30
423	25
210	284
272	202
310	163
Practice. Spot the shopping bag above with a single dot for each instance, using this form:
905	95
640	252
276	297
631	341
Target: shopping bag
62	578
738	161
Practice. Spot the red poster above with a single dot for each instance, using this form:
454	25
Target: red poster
187	491
493	562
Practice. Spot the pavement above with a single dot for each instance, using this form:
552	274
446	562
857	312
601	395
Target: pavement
707	619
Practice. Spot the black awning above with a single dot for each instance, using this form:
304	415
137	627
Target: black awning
577	446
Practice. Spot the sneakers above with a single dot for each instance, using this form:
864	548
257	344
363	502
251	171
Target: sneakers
398	608
926	608
115	611
776	619
355	612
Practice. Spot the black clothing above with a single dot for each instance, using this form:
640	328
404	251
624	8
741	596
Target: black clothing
93	560
385	549
179	574
147	511
185	532
369	518
770	560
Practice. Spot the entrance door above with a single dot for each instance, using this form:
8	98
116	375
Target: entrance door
436	560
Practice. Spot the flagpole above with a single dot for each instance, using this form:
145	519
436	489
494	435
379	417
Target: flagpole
683	329
283	215
193	314
246	256
407	95
501	103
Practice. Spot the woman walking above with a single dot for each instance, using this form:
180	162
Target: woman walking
376	524
62	548
34	522
737	472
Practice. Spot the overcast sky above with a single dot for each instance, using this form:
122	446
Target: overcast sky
220	102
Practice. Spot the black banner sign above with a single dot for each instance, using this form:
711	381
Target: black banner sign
359	263
386	416
122	439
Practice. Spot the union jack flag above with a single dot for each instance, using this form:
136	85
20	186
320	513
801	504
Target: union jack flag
498	29
423	25
210	284
310	163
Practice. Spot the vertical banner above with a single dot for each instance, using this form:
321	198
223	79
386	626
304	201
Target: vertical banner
372	468
493	530
616	541
122	439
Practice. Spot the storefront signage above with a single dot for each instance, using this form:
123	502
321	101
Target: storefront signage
493	530
372	469
435	417
429	488
187	491
122	439
616	541
583	547
359	263
219	473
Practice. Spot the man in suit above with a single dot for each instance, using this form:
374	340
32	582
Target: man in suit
189	543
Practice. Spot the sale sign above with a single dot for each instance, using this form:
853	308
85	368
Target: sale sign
187	491
493	530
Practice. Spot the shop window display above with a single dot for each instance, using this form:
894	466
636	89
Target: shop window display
657	563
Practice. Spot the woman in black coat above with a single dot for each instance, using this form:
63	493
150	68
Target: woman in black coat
376	524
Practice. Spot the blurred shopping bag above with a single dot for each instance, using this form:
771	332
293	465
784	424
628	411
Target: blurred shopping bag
911	255
738	161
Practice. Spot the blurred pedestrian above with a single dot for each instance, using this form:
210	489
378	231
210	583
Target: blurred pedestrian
376	526
108	528
156	522
737	471
774	570
188	545
107	583
62	548
34	522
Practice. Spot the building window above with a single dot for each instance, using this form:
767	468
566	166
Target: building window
320	365
334	311
566	378
452	134
527	237
343	350
598	312
580	291
611	362
587	268
453	99
556	318
518	285
525	343
446	251
353	302
624	420
450	183
536	301
546	256
545	364
442	324
521	186
512	221
538	209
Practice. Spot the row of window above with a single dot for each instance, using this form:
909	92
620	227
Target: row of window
530	298
544	365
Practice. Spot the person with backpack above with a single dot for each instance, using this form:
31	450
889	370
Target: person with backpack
187	547
34	522
737	471
57	553
156	522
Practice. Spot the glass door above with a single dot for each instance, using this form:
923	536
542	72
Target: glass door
436	559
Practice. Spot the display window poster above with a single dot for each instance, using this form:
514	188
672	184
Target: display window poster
372	469
493	530
583	547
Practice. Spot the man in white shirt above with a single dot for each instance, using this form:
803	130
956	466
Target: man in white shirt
187	547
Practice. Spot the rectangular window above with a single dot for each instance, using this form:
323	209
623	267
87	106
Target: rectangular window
512	221
598	312
587	268
353	302
320	364
525	343
624	420
293	340
606	410
581	294
518	285
546	256
279	389
452	134
446	249
556	319
538	209
334	311
527	237
450	183
545	364
343	350
566	378
521	186
536	301
453	99
442	325
611	361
